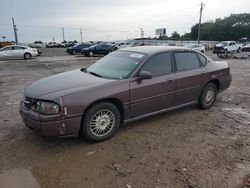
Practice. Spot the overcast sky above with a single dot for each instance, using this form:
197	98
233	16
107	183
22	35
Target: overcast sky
109	19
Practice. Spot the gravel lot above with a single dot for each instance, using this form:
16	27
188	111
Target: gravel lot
183	148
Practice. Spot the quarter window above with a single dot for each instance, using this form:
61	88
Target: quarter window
203	59
158	65
186	61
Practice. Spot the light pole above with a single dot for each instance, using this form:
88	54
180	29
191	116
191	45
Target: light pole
3	37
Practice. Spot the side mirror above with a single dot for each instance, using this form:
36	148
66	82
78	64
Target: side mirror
143	75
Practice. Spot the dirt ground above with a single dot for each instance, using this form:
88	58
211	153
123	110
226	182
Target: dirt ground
183	148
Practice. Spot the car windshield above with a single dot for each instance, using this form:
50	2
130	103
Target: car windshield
224	43
117	65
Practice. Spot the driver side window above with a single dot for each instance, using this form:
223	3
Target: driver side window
158	65
7	48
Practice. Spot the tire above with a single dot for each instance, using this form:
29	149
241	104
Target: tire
74	52
225	51
91	54
27	56
100	122
238	51
208	96
202	51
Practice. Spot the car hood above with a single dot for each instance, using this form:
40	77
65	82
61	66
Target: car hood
220	45
62	84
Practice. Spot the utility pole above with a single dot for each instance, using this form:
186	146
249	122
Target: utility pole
63	34
81	33
142	33
15	30
199	27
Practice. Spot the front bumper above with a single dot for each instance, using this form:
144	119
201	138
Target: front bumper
50	125
218	51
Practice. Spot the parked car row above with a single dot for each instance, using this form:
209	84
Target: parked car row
90	49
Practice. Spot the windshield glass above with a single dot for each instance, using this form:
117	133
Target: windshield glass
117	65
224	43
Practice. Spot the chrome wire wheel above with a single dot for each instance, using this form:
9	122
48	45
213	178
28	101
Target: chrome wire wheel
102	122
209	96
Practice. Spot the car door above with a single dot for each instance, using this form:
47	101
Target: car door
230	47
190	76
99	49
157	93
7	52
18	51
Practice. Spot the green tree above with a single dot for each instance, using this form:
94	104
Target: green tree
232	27
175	36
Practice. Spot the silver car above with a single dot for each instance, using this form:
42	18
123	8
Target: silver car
17	51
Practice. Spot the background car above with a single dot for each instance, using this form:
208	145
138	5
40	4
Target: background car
246	50
103	49
52	45
77	48
71	43
17	51
125	45
197	47
37	44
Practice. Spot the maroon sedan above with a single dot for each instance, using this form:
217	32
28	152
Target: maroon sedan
125	85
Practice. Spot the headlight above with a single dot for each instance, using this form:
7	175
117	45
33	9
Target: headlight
46	107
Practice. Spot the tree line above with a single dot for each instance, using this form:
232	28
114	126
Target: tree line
233	27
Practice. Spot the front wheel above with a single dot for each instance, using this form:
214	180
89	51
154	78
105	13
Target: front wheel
91	54
100	122
27	56
74	52
208	96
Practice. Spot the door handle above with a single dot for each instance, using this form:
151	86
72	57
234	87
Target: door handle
170	80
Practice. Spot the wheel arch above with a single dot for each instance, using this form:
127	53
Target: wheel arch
216	82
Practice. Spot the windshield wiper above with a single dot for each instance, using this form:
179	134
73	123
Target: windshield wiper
95	74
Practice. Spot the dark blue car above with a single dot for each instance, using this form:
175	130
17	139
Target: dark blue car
103	49
77	48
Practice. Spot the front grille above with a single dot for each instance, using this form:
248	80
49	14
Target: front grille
28	102
246	49
218	48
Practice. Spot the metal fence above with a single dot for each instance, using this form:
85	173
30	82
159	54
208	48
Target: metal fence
173	42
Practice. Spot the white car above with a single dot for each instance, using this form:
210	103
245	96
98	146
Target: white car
125	45
227	47
197	47
17	51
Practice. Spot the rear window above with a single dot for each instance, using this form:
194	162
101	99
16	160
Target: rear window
186	61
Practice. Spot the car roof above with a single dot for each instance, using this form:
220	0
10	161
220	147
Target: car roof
152	49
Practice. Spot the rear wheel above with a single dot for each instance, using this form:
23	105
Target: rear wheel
74	52
100	122
238	51
208	96
27	56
